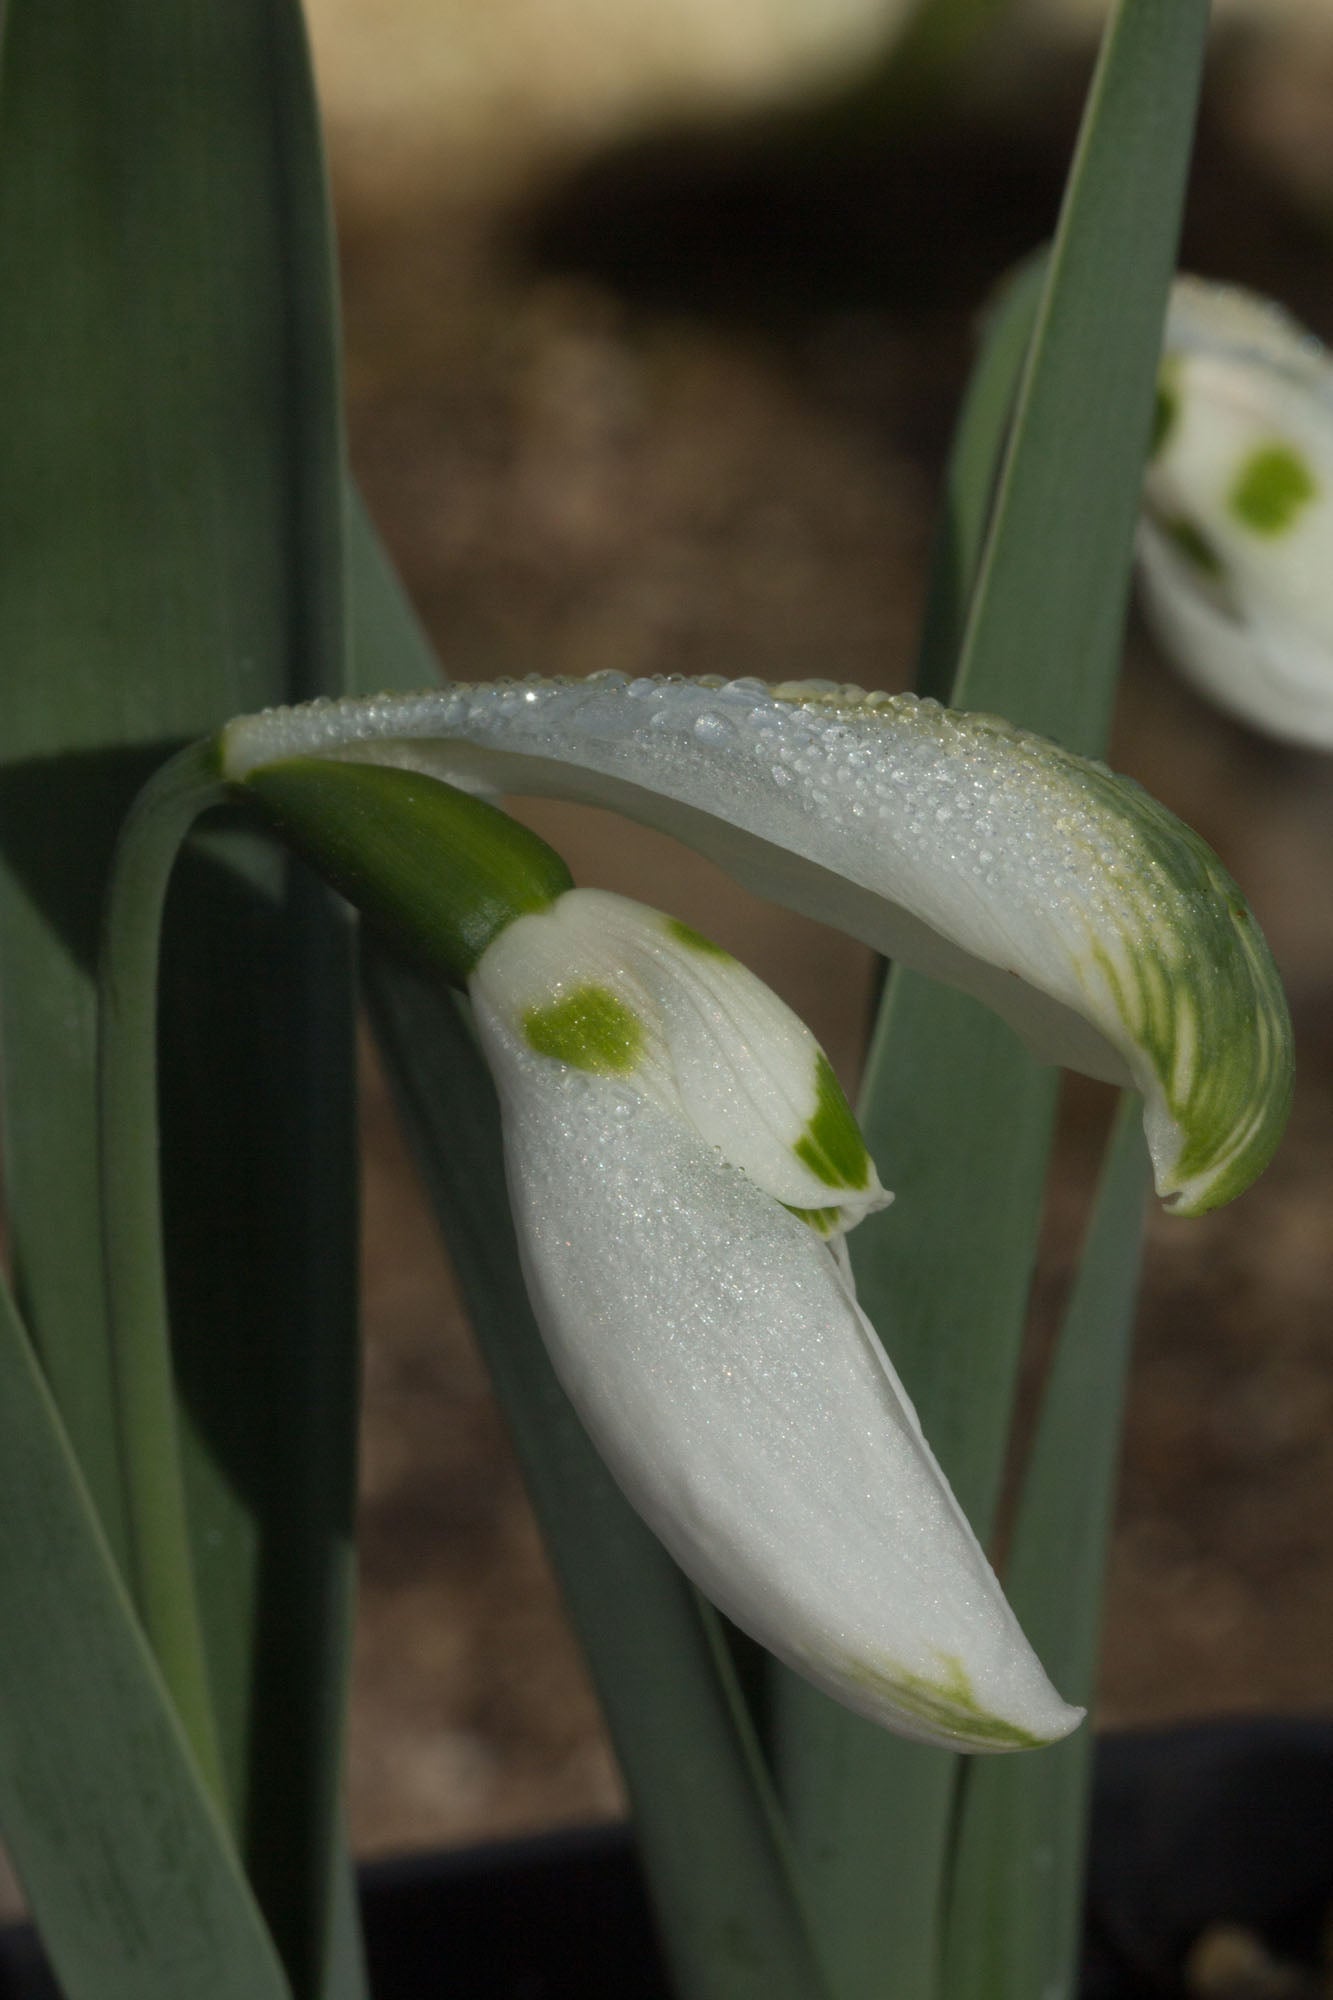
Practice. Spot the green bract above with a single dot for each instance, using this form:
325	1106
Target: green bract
1083	912
438	871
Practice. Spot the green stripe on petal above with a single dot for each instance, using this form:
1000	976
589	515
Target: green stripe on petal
824	1221
831	1145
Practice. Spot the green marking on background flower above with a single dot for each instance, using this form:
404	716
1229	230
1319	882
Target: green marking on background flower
1191	542
1166	411
694	940
831	1145
1272	487
589	1029
948	1704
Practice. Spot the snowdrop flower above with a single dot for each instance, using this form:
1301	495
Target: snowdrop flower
1094	922
1236	539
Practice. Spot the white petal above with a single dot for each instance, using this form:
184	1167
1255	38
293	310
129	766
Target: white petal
742	1402
1242	600
1081	911
1258	667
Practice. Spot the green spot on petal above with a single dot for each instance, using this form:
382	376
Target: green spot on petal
694	940
1273	486
1195	546
832	1146
824	1221
589	1029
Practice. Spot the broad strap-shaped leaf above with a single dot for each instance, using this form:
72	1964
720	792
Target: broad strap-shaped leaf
129	1866
948	1095
965	1118
171	482
1018	1871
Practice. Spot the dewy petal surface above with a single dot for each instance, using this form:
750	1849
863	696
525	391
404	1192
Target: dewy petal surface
1064	897
1057	893
741	1400
1236	539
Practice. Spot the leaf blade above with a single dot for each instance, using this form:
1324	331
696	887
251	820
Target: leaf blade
157	1908
1101	306
172	466
1018	1876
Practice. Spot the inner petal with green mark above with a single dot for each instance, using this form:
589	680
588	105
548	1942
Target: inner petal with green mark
589	1029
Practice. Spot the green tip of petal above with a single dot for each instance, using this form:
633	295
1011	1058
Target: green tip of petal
590	1029
947	1706
1204	1012
831	1145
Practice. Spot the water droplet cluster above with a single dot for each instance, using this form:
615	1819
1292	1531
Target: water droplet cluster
1061	895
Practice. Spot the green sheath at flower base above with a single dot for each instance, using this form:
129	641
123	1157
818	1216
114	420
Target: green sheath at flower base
439	872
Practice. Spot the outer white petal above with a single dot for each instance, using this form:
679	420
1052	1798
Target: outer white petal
1275	676
742	1402
1246	611
1085	914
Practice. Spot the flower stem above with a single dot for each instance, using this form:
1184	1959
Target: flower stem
161	1572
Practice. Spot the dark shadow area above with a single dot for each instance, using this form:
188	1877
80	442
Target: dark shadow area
779	218
1224	1823
776	221
1202	1825
66	880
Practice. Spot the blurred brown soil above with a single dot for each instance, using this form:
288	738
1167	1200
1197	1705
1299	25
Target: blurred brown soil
687	413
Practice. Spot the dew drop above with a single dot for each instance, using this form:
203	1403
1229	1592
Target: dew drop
710	727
